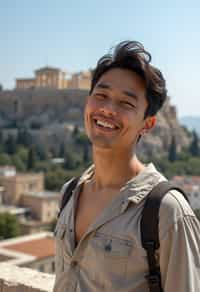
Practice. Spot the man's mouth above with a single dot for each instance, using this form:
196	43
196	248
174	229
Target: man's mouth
105	124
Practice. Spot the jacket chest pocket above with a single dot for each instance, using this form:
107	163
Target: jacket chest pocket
110	257
112	247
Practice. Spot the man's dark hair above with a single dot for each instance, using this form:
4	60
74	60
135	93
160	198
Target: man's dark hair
131	55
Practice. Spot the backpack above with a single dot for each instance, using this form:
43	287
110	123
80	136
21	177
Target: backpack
148	226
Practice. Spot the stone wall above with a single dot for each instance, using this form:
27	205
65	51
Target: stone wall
15	279
45	105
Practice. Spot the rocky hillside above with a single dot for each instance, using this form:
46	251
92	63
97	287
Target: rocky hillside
159	139
51	115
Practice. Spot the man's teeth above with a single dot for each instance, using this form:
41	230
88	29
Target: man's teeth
105	124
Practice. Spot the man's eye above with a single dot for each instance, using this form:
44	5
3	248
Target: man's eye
127	104
100	95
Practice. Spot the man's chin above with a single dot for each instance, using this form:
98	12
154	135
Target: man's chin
102	143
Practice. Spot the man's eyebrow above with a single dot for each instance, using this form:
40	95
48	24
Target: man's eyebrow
103	85
131	94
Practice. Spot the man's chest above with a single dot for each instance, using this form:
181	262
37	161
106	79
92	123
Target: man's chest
110	250
89	207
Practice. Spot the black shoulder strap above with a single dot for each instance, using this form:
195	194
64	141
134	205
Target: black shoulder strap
68	193
150	230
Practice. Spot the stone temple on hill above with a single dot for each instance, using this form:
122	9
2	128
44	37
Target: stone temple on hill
55	78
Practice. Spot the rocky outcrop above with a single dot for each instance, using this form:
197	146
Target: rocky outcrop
158	140
51	115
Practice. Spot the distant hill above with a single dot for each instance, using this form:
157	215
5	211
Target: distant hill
51	114
192	123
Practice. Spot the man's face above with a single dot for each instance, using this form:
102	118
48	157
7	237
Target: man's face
114	112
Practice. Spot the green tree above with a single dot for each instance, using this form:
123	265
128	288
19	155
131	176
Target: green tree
18	163
31	161
1	136
24	137
10	145
42	165
81	139
41	151
75	132
62	150
172	156
54	179
5	159
86	156
72	159
22	153
53	225
194	147
9	226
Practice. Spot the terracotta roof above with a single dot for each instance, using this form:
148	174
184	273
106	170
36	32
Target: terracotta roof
41	248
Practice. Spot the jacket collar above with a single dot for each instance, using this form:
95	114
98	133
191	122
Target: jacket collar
137	188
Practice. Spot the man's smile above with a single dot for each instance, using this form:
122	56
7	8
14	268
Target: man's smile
105	124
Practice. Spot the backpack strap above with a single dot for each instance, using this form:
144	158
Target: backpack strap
150	230
68	193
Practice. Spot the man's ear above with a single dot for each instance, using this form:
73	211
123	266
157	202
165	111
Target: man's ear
148	124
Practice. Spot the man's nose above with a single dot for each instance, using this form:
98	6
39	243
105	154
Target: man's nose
109	108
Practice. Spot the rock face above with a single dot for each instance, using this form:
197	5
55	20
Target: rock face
41	106
51	115
159	138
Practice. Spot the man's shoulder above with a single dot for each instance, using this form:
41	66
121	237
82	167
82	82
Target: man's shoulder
65	186
174	207
173	201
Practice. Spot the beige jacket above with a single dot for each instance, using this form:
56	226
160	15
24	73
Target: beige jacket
110	258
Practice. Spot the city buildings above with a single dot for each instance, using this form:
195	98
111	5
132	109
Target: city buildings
17	184
23	195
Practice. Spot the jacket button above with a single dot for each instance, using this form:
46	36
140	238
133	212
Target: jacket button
108	247
74	264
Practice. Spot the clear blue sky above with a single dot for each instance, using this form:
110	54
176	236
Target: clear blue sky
72	35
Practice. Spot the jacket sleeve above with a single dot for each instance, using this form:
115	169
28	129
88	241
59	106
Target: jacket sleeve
180	249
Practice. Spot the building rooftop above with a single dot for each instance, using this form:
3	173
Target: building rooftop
28	248
47	68
12	174
7	170
43	194
25	79
40	248
13	209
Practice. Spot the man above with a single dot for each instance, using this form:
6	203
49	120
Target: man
98	239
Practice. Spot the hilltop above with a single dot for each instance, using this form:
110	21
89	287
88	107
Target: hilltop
51	115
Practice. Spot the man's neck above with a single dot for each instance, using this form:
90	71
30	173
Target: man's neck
114	169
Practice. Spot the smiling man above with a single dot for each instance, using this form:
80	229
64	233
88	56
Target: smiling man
98	233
